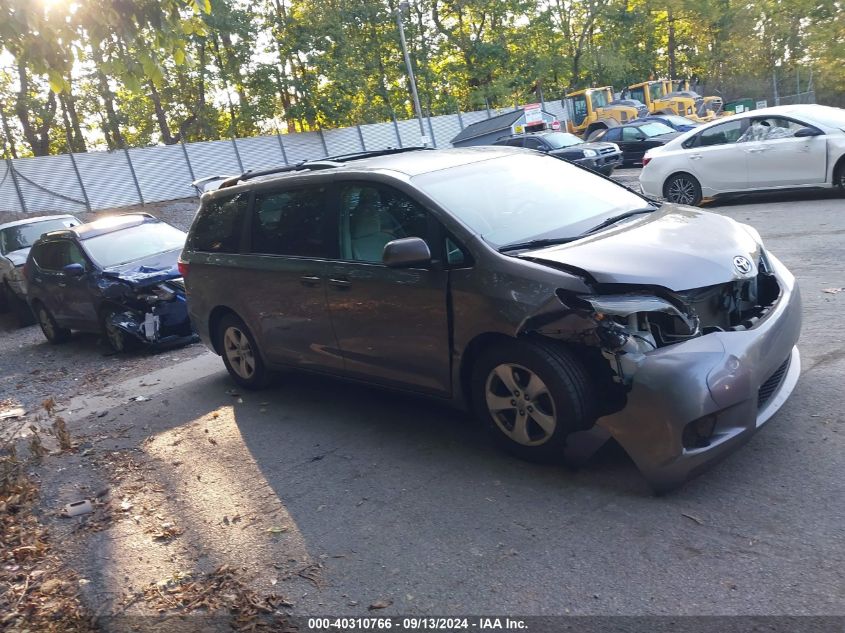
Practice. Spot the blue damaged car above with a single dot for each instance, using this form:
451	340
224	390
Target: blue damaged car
117	276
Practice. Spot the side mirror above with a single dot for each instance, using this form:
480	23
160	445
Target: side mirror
406	252
808	131
74	270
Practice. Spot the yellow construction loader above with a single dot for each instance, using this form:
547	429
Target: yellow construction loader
653	94
709	107
594	109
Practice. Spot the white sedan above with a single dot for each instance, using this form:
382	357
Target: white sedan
785	147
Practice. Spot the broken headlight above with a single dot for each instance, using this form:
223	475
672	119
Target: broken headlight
630	325
154	294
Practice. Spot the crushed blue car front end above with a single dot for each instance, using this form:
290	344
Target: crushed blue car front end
156	309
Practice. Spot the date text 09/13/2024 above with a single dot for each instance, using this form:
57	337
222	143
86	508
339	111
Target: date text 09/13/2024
414	624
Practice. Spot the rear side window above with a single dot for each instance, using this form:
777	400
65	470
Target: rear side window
293	223
722	134
217	228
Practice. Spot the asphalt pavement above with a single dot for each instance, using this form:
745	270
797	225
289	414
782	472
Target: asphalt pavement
404	502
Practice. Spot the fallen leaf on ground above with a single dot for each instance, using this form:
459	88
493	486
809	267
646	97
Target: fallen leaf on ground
380	604
692	518
277	529
833	291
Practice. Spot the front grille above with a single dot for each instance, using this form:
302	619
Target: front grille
607	150
768	388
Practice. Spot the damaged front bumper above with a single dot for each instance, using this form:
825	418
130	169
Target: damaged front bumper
692	403
165	324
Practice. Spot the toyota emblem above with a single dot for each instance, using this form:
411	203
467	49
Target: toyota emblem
742	264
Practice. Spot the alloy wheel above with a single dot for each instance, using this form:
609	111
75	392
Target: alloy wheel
681	191
239	352
520	404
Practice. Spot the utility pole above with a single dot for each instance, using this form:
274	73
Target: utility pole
403	6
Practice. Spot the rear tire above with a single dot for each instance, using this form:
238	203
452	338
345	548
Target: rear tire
530	395
241	354
4	298
52	332
682	189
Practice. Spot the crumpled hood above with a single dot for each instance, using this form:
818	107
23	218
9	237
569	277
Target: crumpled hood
676	247
150	270
18	258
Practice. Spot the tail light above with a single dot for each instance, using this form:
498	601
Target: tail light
646	161
183	267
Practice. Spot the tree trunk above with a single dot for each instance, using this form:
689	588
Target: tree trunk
166	136
38	136
672	44
79	138
7	131
112	120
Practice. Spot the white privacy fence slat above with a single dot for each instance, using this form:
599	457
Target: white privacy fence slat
73	183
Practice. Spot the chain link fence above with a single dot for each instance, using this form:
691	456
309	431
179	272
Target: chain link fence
92	181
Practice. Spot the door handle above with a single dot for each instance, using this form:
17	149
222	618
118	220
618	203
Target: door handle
340	284
310	280
695	157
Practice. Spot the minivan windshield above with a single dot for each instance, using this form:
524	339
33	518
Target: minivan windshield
521	197
133	243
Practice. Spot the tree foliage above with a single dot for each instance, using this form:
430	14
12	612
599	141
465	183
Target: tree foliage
119	73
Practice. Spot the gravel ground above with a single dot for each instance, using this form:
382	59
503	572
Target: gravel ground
33	370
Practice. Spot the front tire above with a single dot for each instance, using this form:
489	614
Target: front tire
240	353
118	339
530	395
52	332
682	189
839	175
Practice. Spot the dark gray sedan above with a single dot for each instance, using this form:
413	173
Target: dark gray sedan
558	306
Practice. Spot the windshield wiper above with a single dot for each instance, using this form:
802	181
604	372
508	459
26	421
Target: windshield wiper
617	218
532	244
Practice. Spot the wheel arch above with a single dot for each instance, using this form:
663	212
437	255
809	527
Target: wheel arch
596	367
680	172
839	170
214	319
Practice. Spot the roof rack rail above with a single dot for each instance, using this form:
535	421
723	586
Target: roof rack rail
319	163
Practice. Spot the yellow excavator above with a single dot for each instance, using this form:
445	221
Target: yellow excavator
711	107
594	109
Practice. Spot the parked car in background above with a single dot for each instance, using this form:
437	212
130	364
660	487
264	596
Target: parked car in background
116	276
16	238
636	138
600	157
784	147
677	123
559	306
